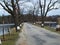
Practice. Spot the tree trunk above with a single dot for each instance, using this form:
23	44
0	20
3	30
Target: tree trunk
16	22
15	19
42	23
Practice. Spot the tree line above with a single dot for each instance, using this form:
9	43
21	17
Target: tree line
27	18
13	8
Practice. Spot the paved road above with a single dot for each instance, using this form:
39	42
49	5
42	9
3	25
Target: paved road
38	36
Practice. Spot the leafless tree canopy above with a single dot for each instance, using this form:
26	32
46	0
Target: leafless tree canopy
12	7
45	8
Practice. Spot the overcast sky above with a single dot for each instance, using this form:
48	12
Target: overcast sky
28	6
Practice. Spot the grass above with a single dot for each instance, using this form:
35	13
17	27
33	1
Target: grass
10	39
51	29
48	28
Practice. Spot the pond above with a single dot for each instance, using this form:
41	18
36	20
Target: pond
6	27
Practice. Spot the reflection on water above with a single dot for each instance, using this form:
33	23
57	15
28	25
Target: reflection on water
6	26
5	30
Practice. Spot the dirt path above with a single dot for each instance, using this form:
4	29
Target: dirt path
22	38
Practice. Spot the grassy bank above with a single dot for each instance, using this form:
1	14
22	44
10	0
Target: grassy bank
51	29
10	39
48	28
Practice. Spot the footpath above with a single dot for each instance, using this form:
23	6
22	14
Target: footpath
22	38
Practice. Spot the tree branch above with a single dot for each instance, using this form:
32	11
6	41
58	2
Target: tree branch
5	8
40	6
48	7
44	7
52	9
53	4
6	4
13	5
18	7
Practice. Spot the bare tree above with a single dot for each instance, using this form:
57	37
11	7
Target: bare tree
46	8
33	17
12	7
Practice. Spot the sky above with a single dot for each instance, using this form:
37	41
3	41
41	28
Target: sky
28	6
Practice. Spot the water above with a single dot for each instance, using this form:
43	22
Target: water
6	26
5	30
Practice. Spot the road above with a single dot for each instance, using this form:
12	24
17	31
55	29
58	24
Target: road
38	36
